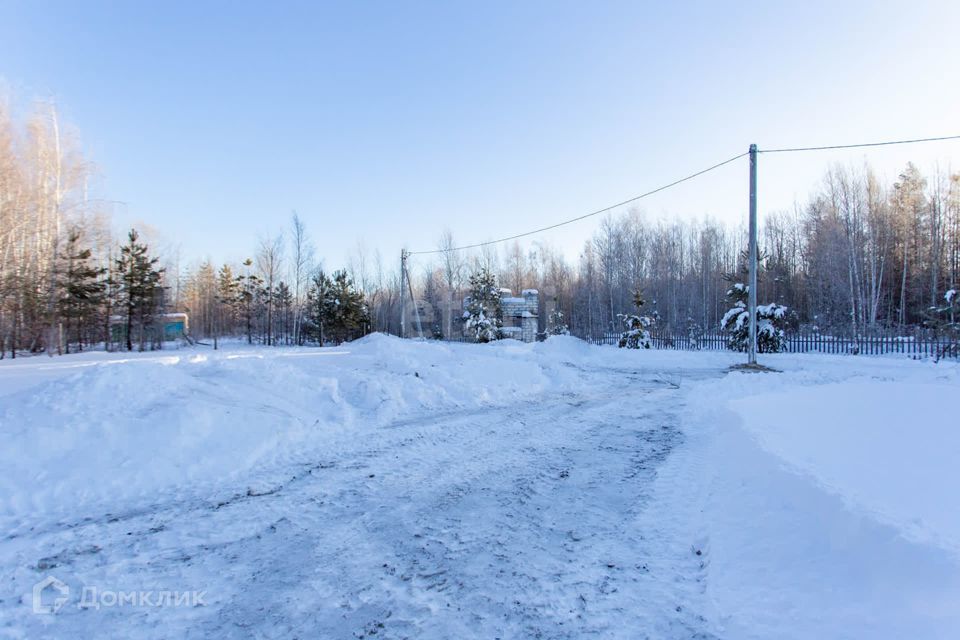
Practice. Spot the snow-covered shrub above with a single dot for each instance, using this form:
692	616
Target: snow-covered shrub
694	333
483	317
637	334
945	320
771	321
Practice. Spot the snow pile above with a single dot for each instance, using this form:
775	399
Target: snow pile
130	428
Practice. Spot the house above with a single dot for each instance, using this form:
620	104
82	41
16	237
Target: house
520	314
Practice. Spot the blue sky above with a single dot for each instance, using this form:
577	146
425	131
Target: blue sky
386	122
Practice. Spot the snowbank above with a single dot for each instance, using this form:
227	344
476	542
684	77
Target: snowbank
104	432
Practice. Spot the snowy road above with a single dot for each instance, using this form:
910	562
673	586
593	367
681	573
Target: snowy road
510	522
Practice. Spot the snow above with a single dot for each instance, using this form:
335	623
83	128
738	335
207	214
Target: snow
738	310
859	440
829	499
395	488
772	310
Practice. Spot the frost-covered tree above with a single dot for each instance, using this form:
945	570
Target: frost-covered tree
483	317
558	325
771	321
637	334
945	320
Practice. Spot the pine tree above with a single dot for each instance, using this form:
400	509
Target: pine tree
347	315
81	290
139	280
483	318
320	301
637	334
283	302
227	299
247	289
771	321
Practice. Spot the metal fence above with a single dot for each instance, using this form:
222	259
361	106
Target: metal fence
918	345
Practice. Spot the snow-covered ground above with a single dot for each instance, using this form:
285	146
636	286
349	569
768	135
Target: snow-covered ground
400	489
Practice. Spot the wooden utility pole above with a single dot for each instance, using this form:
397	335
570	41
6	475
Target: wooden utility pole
752	291
403	292
413	299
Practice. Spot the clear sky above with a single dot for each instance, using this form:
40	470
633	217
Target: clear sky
387	122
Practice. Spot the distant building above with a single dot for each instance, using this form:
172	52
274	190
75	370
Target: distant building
175	325
172	326
521	319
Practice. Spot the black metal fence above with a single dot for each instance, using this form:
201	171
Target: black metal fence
920	345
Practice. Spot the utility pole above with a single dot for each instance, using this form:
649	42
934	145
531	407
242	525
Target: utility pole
416	307
752	291
406	286
403	292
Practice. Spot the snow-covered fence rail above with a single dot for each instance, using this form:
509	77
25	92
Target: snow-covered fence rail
920	346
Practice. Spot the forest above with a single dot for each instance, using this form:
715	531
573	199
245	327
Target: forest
858	257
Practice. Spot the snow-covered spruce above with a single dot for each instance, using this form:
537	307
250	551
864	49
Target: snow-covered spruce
483	317
771	320
945	320
637	334
557	325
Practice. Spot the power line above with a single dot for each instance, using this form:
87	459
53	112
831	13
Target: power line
676	182
586	215
854	146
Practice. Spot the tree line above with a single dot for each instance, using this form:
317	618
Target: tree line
858	256
67	284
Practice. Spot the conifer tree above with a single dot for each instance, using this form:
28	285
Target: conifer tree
557	322
336	310
139	279
945	320
349	310
637	334
248	292
483	318
320	300
771	322
227	293
283	302
81	289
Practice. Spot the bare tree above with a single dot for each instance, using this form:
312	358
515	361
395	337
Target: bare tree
453	268
302	259
269	259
